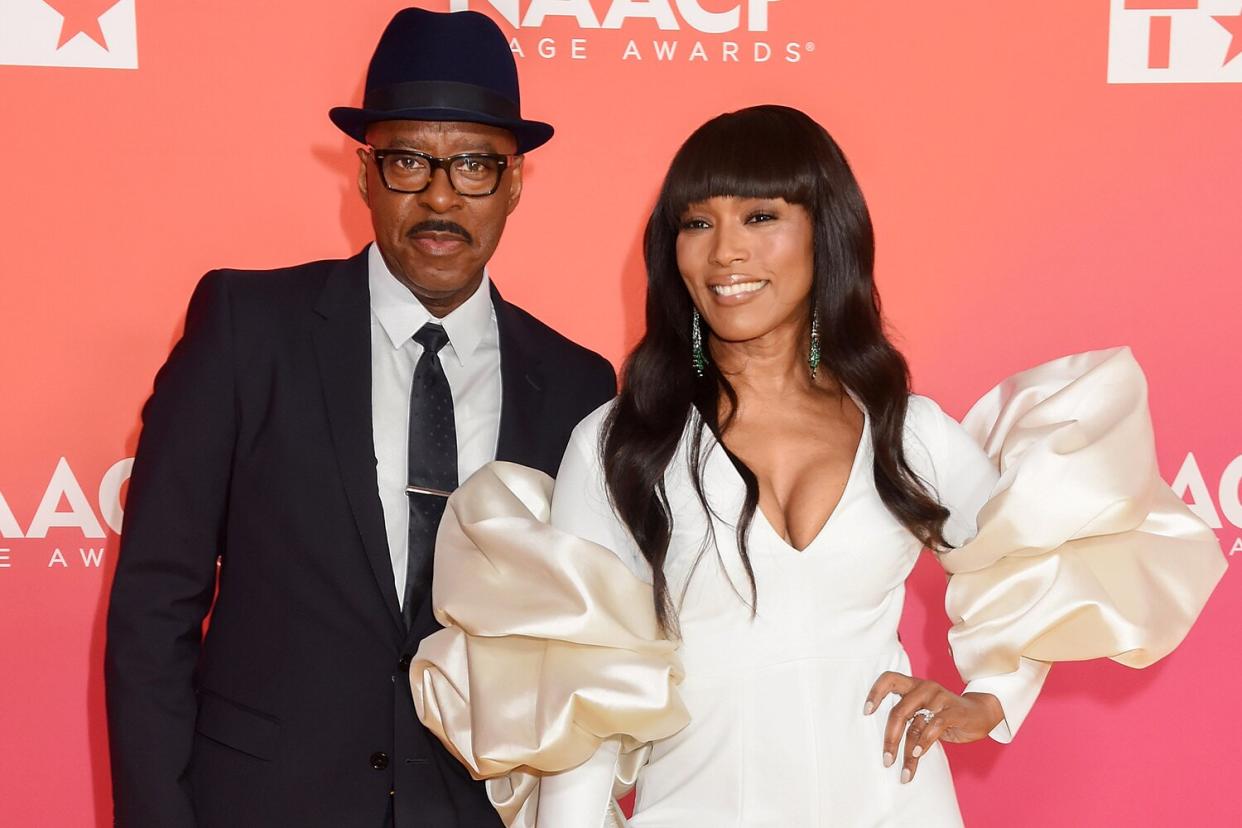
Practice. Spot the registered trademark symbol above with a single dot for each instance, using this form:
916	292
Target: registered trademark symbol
810	47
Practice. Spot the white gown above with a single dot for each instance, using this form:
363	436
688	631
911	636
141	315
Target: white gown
551	680
777	735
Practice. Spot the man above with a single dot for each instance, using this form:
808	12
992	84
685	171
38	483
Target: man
304	433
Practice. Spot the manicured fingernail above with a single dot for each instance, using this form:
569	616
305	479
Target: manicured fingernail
868	708
906	775
888	760
917	752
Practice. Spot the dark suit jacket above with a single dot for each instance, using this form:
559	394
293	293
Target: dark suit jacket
256	468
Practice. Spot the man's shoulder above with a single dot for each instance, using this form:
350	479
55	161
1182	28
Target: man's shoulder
549	342
298	278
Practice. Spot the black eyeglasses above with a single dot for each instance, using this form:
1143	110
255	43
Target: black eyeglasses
472	174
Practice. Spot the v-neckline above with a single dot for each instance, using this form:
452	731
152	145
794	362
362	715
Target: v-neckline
859	451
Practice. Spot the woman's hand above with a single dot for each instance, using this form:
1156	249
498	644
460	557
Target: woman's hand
954	718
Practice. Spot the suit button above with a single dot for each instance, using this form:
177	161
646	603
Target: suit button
379	761
404	664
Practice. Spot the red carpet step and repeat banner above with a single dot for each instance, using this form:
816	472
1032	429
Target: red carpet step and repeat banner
1046	177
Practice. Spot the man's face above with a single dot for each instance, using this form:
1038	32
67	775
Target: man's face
437	241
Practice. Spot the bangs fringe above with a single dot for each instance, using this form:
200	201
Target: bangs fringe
760	152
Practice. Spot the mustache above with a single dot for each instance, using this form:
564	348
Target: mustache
441	226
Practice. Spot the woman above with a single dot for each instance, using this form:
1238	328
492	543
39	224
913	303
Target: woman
767	472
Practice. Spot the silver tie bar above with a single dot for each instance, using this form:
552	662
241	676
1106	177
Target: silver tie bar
423	490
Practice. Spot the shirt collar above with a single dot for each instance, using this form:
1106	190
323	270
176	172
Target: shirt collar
401	315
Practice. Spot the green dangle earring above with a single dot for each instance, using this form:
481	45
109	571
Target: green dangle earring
698	357
812	358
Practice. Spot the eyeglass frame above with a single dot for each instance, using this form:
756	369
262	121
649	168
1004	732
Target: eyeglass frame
436	162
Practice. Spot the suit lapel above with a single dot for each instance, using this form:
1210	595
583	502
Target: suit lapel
522	385
343	349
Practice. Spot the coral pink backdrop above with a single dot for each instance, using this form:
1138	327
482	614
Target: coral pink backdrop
1045	177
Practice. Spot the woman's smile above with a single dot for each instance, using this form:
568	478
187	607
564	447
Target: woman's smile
736	292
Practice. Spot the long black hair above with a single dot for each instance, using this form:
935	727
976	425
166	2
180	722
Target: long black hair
759	152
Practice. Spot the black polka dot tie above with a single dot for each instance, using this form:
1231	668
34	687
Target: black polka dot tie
432	464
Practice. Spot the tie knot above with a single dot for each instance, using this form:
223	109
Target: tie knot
432	337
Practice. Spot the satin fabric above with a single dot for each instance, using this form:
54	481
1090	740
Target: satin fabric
551	645
1082	551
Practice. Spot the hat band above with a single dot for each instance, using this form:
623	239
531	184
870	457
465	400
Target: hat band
441	95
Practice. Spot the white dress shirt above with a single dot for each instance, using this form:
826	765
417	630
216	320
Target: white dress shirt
471	363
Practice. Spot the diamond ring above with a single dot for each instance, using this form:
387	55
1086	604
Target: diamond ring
926	714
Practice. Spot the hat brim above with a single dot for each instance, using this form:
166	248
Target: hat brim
354	121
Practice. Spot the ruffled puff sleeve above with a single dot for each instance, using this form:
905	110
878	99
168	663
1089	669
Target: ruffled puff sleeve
550	646
1081	550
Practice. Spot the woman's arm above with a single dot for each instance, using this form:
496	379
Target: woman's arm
580	504
580	797
964	478
1081	551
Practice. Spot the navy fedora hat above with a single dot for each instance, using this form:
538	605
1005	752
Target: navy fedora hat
442	66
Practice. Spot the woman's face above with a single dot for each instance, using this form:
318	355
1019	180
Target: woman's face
748	264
